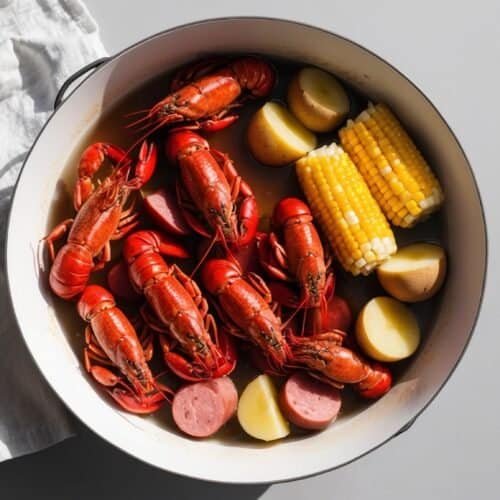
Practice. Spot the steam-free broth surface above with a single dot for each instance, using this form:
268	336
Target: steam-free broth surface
270	184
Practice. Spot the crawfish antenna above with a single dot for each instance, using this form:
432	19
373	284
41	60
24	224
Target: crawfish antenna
205	254
297	309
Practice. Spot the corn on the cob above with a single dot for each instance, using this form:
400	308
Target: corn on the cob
398	176
346	211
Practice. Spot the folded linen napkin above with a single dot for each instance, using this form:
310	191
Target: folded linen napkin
42	42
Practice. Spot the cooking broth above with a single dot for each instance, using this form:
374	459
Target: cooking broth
269	184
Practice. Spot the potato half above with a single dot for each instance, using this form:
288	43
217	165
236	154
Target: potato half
276	138
259	413
317	99
387	330
415	273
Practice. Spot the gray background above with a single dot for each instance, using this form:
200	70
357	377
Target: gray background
451	52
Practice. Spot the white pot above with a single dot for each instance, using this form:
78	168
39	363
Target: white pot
247	461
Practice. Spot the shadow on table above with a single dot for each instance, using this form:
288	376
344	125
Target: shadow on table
86	467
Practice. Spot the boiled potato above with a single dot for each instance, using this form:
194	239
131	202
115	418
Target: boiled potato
387	330
276	138
317	99
416	272
259	413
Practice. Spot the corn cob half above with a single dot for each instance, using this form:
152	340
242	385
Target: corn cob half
398	176
345	209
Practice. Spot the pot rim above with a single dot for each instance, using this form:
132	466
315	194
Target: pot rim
360	47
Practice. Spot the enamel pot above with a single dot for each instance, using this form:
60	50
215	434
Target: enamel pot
243	460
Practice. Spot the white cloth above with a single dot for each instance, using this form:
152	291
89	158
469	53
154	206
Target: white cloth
42	42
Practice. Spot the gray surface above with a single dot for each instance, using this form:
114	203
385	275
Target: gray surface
452	52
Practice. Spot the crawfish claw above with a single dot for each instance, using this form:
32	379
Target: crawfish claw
146	165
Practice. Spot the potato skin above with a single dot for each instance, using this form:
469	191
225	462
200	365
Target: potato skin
362	339
262	145
414	285
312	114
366	342
266	145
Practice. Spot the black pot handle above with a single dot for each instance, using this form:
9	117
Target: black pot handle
405	427
77	74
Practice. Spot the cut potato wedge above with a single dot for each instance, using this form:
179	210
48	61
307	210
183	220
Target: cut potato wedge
387	330
259	413
276	138
317	99
415	273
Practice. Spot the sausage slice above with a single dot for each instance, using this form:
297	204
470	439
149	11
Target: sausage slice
226	388
164	209
201	409
309	403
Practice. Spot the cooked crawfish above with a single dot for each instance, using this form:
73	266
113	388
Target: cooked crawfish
296	256
202	95
177	308
116	357
100	217
243	303
215	200
325	358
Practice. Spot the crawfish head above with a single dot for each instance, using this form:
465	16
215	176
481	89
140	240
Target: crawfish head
246	309
313	281
204	181
273	345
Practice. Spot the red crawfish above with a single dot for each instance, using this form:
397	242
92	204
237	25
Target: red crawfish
116	357
243	303
192	346
216	202
324	357
100	217
294	254
203	94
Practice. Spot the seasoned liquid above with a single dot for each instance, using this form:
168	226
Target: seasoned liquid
270	184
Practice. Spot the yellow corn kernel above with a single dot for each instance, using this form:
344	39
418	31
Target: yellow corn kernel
392	166
346	211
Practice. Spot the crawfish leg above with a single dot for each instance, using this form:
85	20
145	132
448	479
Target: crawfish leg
272	257
235	331
95	361
152	320
128	222
225	320
192	288
211	327
146	340
56	234
238	185
230	172
217	123
279	252
145	335
100	373
94	347
103	257
123	230
260	285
